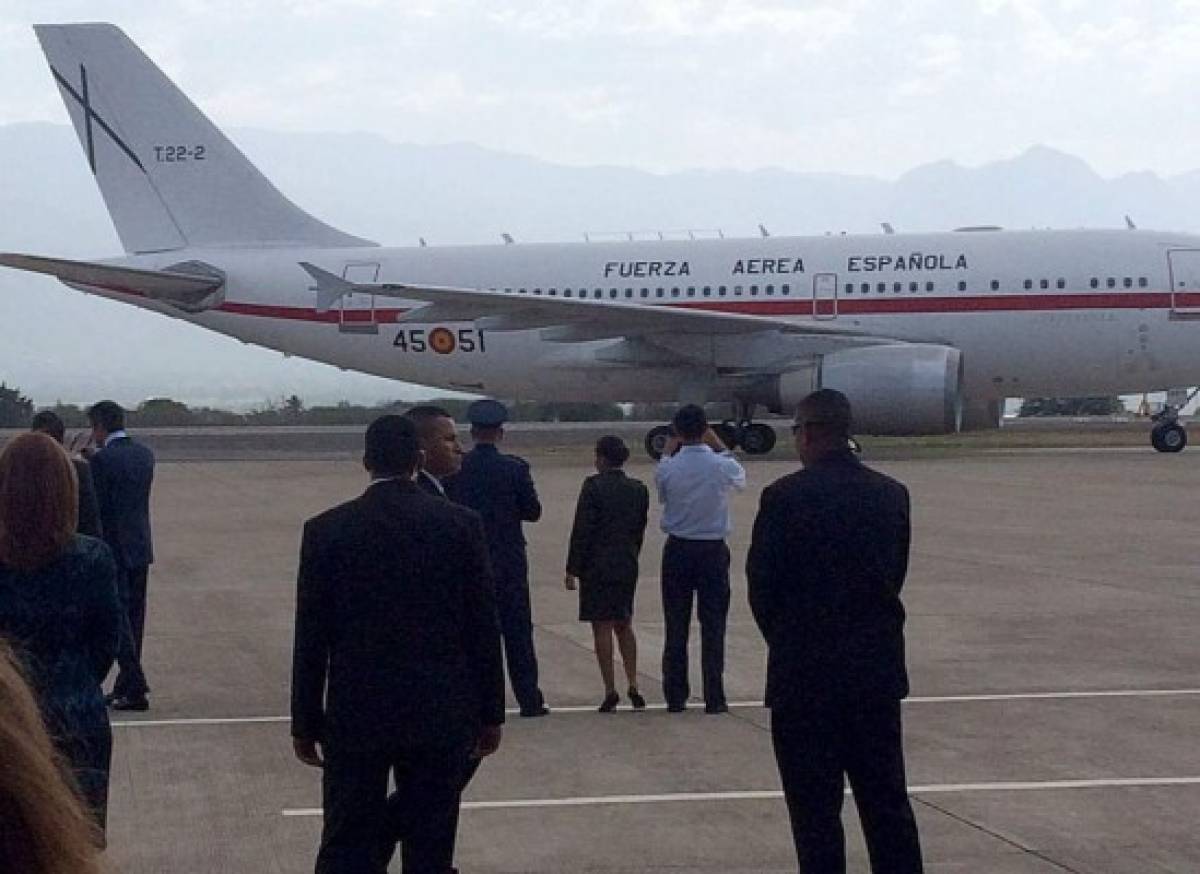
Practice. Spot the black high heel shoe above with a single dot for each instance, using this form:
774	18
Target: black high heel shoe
636	699
609	704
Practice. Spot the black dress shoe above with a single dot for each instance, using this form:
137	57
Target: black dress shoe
609	704
676	706
636	699
134	704
530	712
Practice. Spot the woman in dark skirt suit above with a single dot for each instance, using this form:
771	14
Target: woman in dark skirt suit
58	607
610	522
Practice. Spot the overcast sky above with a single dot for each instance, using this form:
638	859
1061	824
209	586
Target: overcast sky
859	86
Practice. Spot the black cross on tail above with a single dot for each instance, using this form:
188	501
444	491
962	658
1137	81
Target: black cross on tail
89	115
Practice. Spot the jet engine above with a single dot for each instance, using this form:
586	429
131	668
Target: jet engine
901	389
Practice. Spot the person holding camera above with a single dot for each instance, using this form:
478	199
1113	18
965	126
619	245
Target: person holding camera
694	478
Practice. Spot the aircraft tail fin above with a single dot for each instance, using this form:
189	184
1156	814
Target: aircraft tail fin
169	177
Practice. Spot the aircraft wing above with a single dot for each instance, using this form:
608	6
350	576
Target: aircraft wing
186	285
578	319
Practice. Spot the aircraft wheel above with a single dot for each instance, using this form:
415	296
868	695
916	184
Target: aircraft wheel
1168	438
656	441
728	434
758	439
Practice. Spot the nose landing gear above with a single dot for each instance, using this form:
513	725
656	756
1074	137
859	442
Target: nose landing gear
1168	435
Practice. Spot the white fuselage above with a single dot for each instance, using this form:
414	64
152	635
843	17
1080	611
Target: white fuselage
1033	312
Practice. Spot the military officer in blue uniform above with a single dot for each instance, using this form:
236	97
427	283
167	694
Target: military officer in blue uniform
500	488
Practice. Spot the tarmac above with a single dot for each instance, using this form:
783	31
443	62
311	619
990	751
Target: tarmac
1053	603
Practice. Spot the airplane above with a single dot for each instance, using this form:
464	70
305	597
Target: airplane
926	333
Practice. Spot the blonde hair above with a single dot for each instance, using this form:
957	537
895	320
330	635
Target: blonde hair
44	827
39	502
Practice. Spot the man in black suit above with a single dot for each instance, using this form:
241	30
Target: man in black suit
443	453
397	666
123	471
500	488
827	561
48	422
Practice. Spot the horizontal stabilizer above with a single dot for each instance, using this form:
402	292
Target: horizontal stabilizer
186	286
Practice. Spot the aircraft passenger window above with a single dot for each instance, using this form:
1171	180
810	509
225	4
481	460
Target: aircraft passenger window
929	286
962	286
658	292
1128	283
1062	283
521	291
787	289
675	292
691	292
770	289
598	293
897	286
1142	282
1045	283
566	292
737	290
1111	283
995	285
537	291
553	292
1028	284
866	286
708	291
753	289
1095	282
629	292
849	288
881	286
913	286
721	291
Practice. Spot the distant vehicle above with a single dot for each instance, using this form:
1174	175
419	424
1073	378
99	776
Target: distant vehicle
927	333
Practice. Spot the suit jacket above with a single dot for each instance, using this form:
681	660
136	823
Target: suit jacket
610	524
499	487
827	561
397	640
123	472
88	522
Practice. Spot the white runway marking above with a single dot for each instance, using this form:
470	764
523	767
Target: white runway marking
772	794
591	708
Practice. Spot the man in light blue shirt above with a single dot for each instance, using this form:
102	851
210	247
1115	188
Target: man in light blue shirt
694	478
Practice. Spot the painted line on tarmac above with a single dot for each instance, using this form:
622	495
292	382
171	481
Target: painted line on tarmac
591	708
774	794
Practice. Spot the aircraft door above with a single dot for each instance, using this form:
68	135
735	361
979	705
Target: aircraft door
1185	282
825	300
356	312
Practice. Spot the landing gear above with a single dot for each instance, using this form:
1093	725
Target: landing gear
1168	435
755	438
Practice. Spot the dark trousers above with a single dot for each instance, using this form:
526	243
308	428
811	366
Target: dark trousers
516	627
131	681
89	757
362	824
699	569
818	742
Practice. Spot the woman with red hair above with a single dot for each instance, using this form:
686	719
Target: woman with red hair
58	607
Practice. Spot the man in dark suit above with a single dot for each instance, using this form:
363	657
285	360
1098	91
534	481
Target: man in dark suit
827	561
123	471
397	666
443	453
501	489
48	422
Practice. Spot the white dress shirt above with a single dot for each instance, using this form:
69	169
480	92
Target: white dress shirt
693	487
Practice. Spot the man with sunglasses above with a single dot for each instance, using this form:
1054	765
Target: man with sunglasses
827	561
